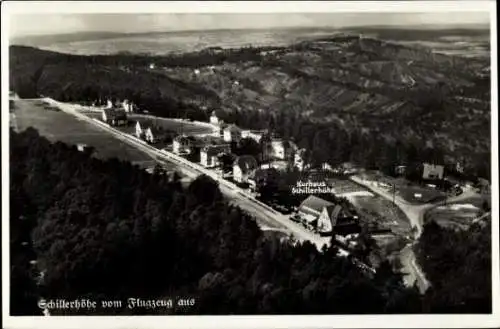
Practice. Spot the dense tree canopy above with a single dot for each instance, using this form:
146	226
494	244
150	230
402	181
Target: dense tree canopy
110	230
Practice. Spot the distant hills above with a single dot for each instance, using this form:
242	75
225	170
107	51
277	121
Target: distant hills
362	85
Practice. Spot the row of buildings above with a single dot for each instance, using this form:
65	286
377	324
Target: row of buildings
272	147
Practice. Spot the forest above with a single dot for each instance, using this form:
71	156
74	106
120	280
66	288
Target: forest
72	78
109	230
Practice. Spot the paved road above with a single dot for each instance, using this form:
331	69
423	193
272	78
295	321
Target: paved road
415	214
259	210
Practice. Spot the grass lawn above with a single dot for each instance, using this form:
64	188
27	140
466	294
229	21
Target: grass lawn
188	128
60	126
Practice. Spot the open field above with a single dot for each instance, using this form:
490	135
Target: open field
410	192
460	214
60	126
428	195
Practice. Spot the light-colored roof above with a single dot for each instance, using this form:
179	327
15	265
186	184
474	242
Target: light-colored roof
314	203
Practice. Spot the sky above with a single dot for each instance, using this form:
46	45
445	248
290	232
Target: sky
49	23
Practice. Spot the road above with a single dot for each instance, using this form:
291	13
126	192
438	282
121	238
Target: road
262	212
415	214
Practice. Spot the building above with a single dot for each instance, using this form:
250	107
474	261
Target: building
299	159
114	117
282	150
181	145
319	214
151	135
209	155
432	171
243	168
214	119
400	170
81	147
232	133
109	104
138	130
256	135
128	106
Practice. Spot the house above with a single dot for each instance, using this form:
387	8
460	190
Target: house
243	168
81	147
209	155
432	171
138	130
256	135
128	106
151	135
282	150
115	117
181	145
299	159
400	170
257	177
232	133
214	119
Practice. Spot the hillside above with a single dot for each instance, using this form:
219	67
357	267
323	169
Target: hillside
366	87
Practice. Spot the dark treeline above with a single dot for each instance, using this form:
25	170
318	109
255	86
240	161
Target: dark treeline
458	264
107	230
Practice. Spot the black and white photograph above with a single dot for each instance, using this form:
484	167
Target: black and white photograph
319	164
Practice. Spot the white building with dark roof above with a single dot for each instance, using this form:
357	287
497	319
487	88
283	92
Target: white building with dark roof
232	133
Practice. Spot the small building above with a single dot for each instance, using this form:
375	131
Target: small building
282	150
151	135
209	155
243	167
114	117
109	104
299	159
400	170
181	145
81	147
431	171
139	132
312	208
128	106
232	133
256	135
214	119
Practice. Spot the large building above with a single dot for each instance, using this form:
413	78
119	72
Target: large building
114	117
319	214
209	155
243	168
431	171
